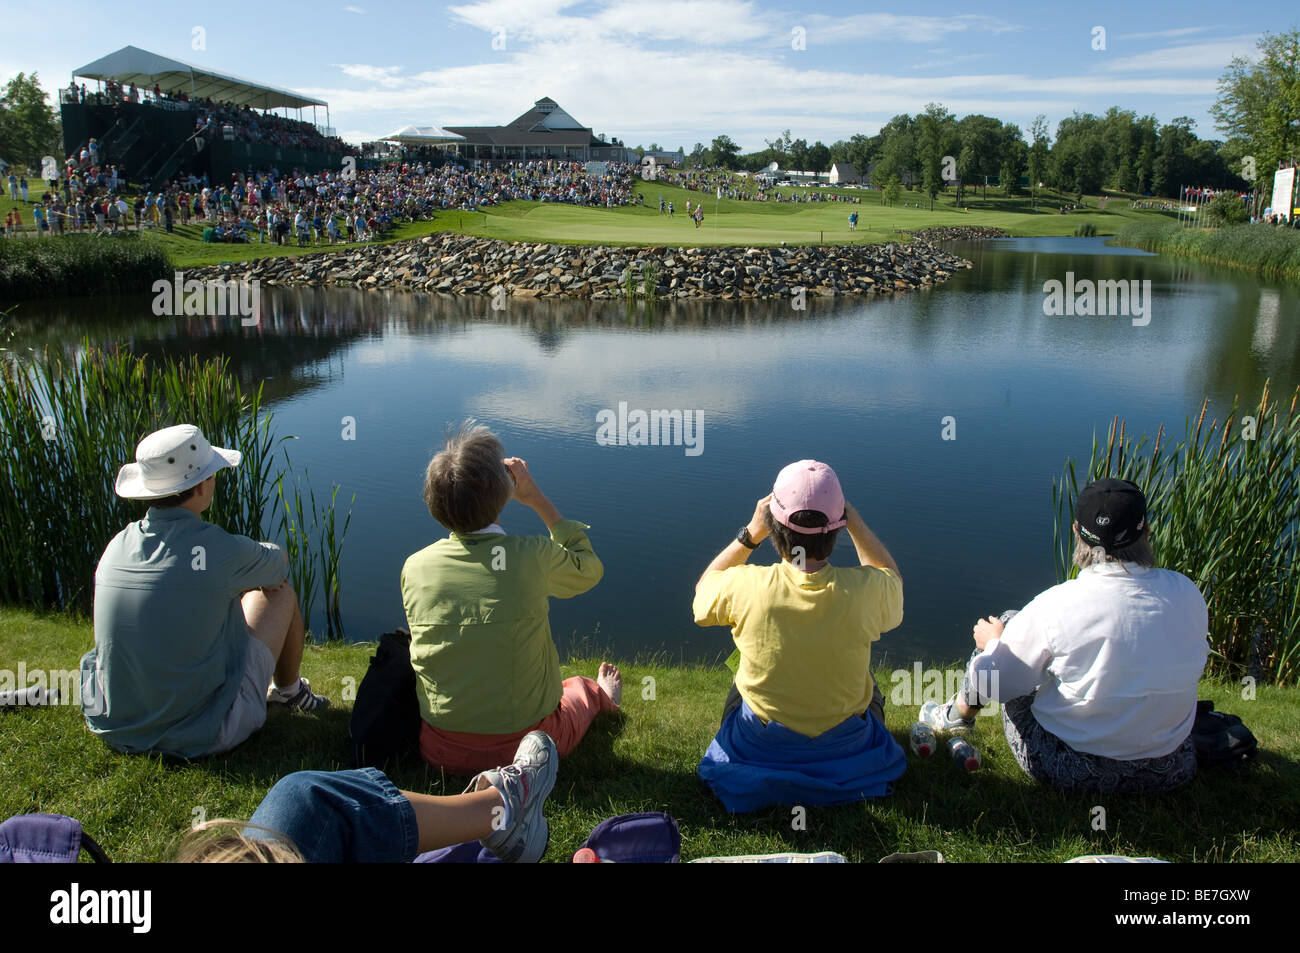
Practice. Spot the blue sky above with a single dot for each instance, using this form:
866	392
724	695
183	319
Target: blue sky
675	72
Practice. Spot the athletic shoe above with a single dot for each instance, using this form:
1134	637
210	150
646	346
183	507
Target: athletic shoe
299	698
524	786
943	719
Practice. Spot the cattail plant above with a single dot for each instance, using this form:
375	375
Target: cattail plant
1224	507
66	426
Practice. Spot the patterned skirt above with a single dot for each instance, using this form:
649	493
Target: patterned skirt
1049	760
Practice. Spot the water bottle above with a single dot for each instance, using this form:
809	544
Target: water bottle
964	754
926	714
922	738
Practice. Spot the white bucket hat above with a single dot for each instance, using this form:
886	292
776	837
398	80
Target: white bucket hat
170	461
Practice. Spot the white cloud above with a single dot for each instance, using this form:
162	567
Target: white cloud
379	75
909	28
947	60
710	23
353	10
1212	56
1157	34
717	92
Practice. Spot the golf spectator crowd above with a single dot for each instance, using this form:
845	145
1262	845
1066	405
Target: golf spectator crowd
732	186
313	208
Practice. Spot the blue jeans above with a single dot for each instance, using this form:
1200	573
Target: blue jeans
337	817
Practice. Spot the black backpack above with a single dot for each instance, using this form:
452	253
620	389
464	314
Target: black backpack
385	725
1221	738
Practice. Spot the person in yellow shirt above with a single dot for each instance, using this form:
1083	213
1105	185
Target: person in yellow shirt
804	722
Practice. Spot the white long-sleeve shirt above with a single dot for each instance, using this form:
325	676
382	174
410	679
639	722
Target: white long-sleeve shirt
1115	655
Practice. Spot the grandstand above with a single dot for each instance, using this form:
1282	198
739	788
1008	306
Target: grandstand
158	118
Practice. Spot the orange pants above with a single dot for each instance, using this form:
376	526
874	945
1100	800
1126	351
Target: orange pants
463	752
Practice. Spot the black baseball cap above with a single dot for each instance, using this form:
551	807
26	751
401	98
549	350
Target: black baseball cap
1111	514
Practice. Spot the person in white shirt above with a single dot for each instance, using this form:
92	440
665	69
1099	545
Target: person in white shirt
1098	675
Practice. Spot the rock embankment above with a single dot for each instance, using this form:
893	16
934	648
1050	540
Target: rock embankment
458	264
948	233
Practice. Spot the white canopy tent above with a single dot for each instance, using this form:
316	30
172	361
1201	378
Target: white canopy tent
422	136
131	64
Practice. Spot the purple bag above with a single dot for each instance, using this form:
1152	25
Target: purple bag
649	838
45	839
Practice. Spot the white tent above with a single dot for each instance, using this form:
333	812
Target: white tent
422	136
131	64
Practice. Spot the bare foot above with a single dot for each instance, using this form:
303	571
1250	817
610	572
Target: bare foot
611	680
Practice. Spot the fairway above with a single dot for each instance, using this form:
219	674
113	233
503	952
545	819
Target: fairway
731	222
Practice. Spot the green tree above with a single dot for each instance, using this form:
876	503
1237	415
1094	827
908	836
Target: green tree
893	190
981	137
1226	209
29	128
1014	153
936	140
819	157
724	152
798	153
1174	167
1038	154
1259	102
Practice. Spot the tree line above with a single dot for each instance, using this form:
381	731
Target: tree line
1258	108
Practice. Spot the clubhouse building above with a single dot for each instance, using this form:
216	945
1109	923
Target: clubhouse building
544	132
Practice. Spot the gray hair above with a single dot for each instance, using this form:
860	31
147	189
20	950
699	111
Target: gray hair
467	484
1140	552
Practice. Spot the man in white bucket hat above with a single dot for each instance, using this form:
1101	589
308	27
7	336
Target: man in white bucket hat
192	623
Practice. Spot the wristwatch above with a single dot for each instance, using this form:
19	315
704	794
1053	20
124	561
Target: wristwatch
745	539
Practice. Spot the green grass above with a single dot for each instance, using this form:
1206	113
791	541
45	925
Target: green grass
735	223
645	759
1267	251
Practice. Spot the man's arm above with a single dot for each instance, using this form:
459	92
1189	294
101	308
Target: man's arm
1013	658
736	553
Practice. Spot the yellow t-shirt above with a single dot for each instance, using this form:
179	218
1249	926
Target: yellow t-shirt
804	638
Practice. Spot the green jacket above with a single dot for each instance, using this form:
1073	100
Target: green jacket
477	608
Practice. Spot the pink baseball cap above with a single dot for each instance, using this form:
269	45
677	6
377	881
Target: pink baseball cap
808	485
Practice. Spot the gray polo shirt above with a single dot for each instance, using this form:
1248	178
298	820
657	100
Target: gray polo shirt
170	635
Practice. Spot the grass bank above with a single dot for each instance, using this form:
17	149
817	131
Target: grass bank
645	760
1265	250
79	265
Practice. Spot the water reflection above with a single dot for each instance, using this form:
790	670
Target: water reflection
862	383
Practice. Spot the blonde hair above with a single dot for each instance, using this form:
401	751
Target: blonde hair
224	841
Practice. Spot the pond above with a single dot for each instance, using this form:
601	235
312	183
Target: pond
947	413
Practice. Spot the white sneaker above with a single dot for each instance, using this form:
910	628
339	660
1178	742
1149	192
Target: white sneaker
943	719
299	698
